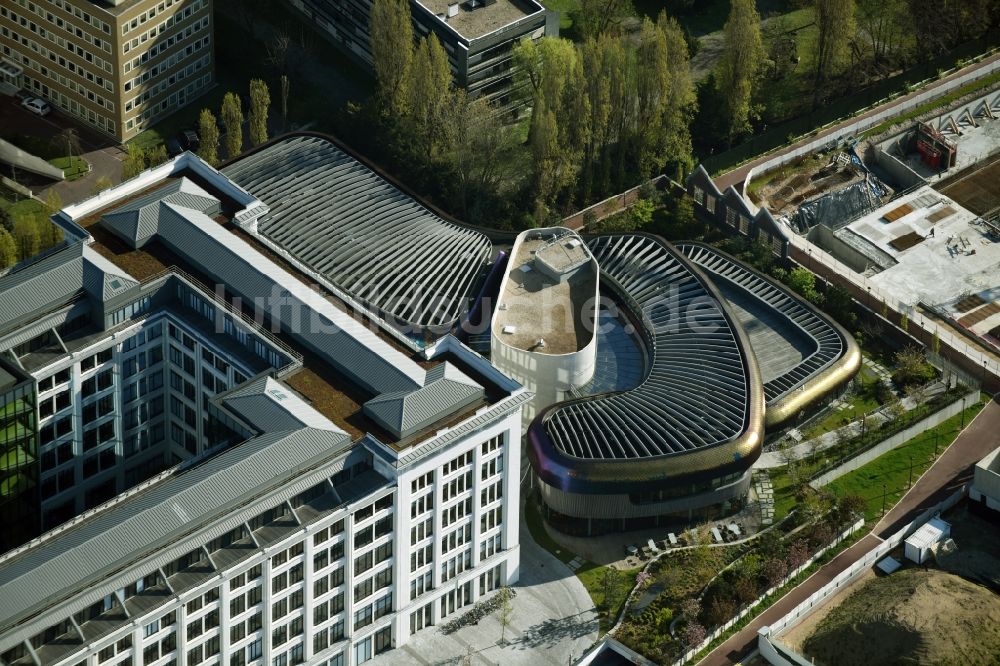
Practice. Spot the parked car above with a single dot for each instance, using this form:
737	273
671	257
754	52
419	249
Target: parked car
183	140
36	105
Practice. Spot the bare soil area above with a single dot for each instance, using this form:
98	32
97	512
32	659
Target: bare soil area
914	616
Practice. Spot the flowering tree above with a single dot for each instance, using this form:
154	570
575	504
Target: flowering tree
693	634
798	554
774	571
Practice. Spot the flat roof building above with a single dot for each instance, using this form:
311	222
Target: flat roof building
478	35
116	65
341	490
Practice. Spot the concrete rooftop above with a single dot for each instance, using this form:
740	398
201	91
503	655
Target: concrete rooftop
538	307
959	260
481	19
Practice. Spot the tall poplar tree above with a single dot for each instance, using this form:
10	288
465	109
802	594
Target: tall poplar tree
740	66
232	118
392	54
260	100
836	25
208	137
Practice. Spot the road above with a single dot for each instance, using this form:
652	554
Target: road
738	175
950	471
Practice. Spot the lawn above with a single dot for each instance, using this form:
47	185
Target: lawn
790	96
861	401
73	167
16	205
890	474
590	574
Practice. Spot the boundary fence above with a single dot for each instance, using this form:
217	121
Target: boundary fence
775	651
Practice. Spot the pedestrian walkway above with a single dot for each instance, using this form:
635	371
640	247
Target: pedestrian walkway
739	174
779	458
554	622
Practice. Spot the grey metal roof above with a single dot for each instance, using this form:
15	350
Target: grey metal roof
113	539
447	390
57	279
41	285
306	315
827	342
697	390
138	219
270	406
359	231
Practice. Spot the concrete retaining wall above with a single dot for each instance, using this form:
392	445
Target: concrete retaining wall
897	440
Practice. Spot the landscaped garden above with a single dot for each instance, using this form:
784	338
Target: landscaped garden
683	596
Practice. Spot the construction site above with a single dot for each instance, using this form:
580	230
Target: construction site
916	210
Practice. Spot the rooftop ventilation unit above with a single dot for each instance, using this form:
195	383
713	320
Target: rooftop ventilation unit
509	329
452	9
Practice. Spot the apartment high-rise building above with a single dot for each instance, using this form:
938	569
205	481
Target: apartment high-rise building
117	65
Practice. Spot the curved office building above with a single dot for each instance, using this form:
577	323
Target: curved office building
724	348
681	443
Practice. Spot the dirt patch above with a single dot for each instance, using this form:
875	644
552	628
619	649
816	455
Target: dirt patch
977	554
911	617
978	191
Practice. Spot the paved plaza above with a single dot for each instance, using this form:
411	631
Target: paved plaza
554	622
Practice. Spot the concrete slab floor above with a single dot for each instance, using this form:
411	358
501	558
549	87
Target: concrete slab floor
554	622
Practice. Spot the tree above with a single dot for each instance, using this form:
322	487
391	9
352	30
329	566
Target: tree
8	249
27	237
482	146
774	571
596	17
611	580
745	590
690	609
285	89
838	302
880	25
208	135
430	95
835	23
134	162
232	119
68	141
849	507
798	554
102	184
260	100
693	634
740	66
53	202
392	54
912	367
505	610
804	283
156	156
